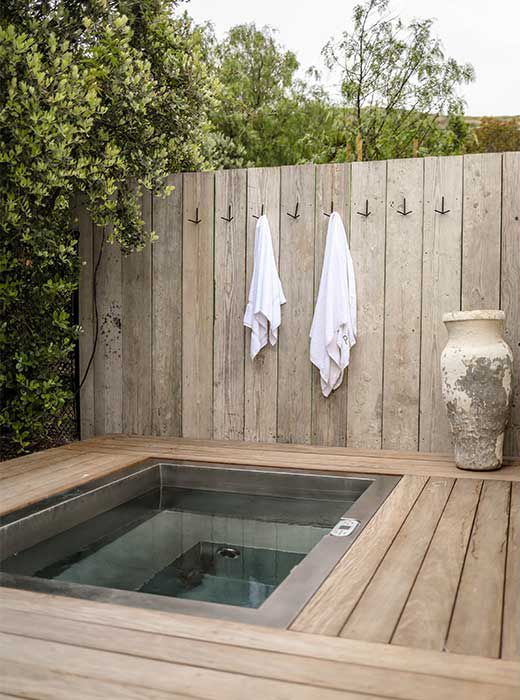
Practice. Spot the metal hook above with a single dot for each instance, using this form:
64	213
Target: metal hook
365	213
442	209
295	215
331	209
228	217
404	212
261	213
196	220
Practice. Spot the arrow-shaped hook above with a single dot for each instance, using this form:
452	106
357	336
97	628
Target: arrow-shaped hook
331	209
442	209
228	217
366	212
261	213
196	220
295	215
404	212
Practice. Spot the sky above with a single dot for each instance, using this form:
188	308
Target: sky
483	33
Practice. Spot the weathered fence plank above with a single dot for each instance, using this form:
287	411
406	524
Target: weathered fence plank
403	304
86	315
228	346
329	415
108	374
261	375
197	305
137	334
167	313
510	287
481	231
367	246
297	274
440	289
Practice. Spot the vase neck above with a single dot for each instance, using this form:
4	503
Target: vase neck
479	331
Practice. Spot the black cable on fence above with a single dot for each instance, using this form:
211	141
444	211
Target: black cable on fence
96	314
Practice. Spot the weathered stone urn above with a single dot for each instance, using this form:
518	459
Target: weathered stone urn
476	371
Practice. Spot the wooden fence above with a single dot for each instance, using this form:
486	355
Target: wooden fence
172	353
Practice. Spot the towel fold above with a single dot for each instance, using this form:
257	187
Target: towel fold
333	330
263	313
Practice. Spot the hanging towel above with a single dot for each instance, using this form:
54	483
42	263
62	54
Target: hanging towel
333	330
266	295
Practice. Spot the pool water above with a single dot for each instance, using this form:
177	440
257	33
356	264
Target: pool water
206	572
214	546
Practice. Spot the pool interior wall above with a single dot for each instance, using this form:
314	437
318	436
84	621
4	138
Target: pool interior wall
202	534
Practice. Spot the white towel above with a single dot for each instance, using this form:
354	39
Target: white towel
266	295
333	330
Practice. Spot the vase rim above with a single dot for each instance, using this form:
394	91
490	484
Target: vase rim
477	315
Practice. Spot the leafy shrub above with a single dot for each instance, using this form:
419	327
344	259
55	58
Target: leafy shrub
94	98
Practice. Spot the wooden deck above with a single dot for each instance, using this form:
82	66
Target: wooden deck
426	604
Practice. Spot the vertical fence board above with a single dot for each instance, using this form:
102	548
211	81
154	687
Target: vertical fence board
402	304
137	334
167	312
197	305
440	290
481	231
510	301
367	246
108	375
86	320
230	260
261	374
297	274
329	415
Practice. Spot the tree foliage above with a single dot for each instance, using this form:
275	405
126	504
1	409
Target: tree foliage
395	85
494	135
264	114
395	80
98	98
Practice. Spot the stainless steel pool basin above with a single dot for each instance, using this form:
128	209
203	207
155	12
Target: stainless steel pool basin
23	533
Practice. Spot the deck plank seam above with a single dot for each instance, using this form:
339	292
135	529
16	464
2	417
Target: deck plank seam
225	671
134	442
448	627
257	645
382	558
332	686
434	530
505	571
227	644
86	677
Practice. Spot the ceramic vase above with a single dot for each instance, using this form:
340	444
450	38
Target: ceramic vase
476	372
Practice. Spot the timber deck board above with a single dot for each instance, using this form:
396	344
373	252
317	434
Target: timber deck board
422	606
